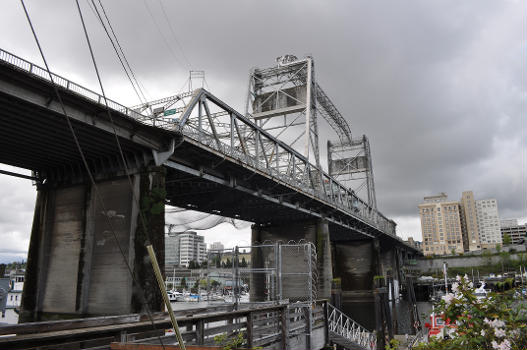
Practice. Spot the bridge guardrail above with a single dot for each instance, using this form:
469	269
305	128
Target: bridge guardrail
330	190
344	326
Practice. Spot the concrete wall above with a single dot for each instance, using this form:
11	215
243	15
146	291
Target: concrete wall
354	265
83	247
432	265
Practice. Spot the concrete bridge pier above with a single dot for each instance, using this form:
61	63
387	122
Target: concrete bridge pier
316	232
83	242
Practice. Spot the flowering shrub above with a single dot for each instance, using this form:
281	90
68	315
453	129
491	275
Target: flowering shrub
497	322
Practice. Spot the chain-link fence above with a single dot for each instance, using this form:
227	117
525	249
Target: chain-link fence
269	272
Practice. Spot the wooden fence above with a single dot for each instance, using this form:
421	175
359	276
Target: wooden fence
266	326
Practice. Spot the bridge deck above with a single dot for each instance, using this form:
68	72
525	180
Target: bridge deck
204	173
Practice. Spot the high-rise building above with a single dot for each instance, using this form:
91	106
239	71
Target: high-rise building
440	225
488	223
469	222
517	233
217	246
183	247
508	222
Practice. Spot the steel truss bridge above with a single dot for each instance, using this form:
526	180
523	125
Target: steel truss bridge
215	156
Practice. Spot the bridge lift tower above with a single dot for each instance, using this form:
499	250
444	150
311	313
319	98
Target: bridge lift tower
286	100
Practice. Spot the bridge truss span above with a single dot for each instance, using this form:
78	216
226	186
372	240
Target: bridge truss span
207	123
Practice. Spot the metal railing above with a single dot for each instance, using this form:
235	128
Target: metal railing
241	140
67	84
342	325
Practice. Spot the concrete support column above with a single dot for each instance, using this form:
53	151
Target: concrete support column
257	282
316	232
355	266
85	241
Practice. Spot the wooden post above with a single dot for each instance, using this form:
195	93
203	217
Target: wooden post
378	320
200	332
161	284
326	323
250	330
284	326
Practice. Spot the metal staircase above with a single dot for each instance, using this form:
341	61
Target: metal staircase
348	333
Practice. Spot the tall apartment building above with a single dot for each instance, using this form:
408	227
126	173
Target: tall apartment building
469	222
488	223
517	233
183	247
440	225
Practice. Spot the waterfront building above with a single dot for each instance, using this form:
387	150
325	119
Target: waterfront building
440	225
413	243
508	222
469	222
488	223
183	247
217	246
11	296
517	233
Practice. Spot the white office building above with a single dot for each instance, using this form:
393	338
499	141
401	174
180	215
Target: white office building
216	246
183	247
488	223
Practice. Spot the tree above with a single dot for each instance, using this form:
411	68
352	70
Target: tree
507	239
183	283
195	288
243	263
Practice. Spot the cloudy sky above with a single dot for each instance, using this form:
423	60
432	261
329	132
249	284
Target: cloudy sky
438	86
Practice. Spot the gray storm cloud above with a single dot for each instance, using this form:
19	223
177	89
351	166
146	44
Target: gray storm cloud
438	86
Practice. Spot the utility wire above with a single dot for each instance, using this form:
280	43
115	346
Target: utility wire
173	33
119	52
121	49
161	32
84	160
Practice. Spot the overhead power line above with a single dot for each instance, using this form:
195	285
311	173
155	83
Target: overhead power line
174	36
161	34
118	49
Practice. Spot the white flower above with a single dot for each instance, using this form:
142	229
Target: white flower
497	323
471	285
483	333
500	333
486	320
495	345
448	298
455	287
458	278
505	345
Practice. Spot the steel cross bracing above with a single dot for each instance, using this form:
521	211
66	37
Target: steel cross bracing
285	100
208	122
350	163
